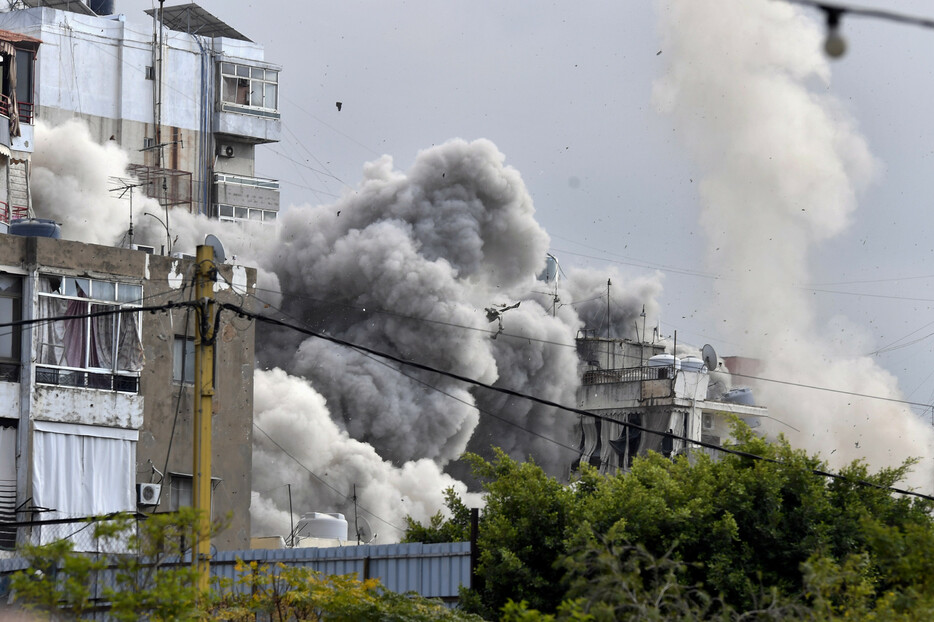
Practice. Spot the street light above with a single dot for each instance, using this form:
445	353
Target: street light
168	236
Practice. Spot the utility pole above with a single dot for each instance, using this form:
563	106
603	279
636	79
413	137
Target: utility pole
206	272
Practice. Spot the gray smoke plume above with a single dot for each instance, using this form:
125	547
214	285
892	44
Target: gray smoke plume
436	264
782	166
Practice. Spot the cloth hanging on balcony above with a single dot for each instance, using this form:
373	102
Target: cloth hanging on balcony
8	51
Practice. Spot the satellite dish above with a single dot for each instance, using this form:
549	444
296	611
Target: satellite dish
212	240
365	533
710	357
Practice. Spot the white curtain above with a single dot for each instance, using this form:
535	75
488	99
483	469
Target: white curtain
79	471
7	485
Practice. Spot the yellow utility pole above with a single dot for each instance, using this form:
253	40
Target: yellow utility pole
203	405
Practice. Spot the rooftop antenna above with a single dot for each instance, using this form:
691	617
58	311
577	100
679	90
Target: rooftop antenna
125	187
608	283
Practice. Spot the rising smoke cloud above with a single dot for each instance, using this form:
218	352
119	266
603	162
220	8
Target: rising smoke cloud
782	168
408	262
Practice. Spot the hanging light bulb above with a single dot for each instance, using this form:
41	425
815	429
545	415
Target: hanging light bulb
834	44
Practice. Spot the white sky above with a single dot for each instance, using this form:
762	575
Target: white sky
564	90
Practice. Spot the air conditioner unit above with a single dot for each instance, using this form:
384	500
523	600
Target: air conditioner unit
142	247
226	151
148	494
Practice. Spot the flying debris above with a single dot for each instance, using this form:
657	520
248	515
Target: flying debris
339	104
495	314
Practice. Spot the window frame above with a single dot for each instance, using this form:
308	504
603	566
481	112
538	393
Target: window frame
94	294
255	82
10	365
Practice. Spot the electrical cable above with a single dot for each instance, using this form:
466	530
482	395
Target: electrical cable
317	477
842	9
578	411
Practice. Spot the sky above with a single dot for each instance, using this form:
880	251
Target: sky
570	94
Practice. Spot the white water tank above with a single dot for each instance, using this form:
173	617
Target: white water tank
693	363
322	525
664	360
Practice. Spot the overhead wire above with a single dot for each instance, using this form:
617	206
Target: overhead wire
578	411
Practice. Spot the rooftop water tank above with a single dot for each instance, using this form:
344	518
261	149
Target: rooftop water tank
693	363
36	228
322	525
664	360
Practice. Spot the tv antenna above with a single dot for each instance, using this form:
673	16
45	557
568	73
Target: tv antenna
126	186
362	530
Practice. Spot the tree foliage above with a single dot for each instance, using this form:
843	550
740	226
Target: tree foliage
695	537
151	582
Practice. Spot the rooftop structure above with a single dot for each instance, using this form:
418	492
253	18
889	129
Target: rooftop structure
638	384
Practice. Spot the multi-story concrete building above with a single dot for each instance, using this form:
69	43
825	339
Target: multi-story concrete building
638	384
189	98
96	412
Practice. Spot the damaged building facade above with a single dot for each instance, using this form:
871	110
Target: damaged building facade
189	98
637	389
97	411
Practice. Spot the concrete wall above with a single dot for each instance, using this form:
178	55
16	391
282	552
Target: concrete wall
233	399
154	408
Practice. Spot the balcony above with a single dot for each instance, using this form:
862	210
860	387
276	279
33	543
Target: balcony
237	197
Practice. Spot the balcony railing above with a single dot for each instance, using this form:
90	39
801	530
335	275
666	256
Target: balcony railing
255	182
80	378
25	109
8	213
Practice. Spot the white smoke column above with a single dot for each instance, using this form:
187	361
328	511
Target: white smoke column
70	183
297	417
781	169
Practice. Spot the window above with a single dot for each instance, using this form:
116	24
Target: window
235	213
250	87
103	352
180	491
183	360
24	67
11	304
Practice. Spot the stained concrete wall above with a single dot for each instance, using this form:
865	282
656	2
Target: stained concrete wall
233	397
163	279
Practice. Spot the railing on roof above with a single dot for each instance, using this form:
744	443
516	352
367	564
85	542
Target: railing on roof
628	374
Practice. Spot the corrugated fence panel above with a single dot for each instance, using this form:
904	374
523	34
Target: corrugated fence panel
431	570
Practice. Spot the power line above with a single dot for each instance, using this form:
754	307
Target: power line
842	9
578	411
320	479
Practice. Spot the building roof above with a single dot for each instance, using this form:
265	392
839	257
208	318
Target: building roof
75	6
194	20
15	37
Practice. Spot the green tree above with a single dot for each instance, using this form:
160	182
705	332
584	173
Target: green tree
150	580
151	583
739	534
455	528
282	594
